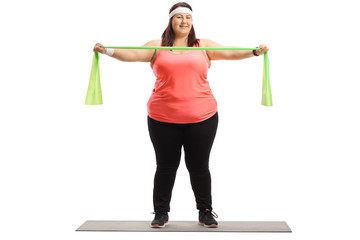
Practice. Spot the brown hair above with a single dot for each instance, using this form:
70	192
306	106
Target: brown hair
168	37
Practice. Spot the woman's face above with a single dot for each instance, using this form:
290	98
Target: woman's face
182	23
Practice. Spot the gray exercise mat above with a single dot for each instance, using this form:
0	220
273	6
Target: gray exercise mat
184	226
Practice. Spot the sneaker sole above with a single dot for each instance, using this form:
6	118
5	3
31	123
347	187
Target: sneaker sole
208	226
159	226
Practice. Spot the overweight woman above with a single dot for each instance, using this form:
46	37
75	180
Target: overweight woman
182	110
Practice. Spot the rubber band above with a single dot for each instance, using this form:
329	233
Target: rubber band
266	89
183	48
94	95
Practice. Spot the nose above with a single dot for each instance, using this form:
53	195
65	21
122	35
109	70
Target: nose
185	20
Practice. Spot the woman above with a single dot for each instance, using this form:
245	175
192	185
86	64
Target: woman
182	111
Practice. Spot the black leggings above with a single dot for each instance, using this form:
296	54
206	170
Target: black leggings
168	139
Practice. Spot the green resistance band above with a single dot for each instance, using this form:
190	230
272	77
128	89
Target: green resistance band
94	95
186	48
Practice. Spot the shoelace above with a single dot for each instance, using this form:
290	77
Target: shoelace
158	214
212	213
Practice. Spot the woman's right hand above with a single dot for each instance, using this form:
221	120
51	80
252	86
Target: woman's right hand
99	48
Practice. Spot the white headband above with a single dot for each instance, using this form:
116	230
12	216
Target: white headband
180	10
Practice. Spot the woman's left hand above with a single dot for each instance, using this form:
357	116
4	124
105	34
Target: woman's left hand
263	49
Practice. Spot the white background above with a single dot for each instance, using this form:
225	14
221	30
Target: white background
63	162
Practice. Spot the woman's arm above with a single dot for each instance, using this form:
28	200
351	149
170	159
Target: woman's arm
131	55
230	54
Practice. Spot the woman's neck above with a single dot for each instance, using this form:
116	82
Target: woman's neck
181	42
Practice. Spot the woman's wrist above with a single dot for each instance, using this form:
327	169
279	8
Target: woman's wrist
109	52
254	52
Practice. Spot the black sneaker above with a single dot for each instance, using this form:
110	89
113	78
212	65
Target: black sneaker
161	220
206	218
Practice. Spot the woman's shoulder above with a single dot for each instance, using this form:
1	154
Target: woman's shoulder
153	43
208	43
204	42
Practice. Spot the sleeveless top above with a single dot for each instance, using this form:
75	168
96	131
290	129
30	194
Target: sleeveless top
181	93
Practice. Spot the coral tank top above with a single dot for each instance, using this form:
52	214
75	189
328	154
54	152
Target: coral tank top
181	93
